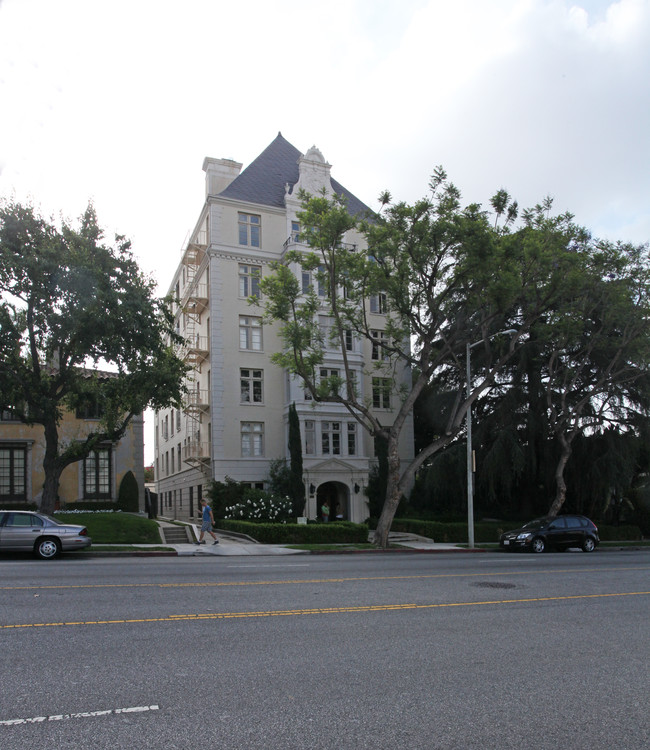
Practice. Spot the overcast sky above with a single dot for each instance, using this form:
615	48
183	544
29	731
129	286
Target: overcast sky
119	101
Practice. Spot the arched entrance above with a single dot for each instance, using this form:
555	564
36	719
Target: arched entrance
336	496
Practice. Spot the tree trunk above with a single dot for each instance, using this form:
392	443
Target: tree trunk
393	495
560	484
50	487
51	470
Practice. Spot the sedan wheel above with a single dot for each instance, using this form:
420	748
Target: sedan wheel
588	545
538	545
46	549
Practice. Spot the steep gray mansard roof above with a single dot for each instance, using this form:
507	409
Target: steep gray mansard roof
264	179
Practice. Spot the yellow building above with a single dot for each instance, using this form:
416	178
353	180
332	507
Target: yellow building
96	478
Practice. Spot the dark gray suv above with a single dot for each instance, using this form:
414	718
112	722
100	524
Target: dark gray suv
557	532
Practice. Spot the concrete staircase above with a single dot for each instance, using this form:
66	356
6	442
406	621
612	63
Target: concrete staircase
176	534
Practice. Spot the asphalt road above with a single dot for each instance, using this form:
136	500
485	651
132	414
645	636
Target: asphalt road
351	651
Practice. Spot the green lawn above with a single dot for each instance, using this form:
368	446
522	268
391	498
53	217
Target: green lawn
115	528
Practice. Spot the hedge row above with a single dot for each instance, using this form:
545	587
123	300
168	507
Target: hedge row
456	533
449	533
627	533
339	532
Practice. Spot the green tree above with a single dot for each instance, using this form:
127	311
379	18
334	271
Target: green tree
297	493
446	276
582	370
79	324
597	351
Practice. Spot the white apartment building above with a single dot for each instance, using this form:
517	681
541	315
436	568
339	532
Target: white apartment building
235	419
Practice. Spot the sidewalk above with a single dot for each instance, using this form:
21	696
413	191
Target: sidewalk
233	546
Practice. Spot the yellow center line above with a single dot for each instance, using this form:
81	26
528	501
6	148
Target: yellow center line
208	584
318	611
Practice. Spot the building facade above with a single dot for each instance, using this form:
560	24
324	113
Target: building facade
234	421
97	478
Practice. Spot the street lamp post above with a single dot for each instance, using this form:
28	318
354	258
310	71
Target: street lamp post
470	452
470	457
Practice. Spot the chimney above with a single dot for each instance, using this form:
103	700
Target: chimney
219	173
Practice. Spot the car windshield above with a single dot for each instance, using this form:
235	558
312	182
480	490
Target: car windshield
536	524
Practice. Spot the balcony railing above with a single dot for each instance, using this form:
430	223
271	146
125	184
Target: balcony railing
197	398
195	298
195	450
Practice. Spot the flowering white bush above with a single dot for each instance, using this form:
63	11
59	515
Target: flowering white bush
61	512
258	505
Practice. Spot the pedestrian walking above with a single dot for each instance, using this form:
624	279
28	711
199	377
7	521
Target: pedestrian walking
207	523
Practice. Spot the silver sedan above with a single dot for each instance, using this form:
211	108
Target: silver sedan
24	531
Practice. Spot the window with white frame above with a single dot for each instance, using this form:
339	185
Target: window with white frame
381	393
249	229
250	333
331	438
379	338
251	382
333	375
295	231
352	438
97	474
13	473
253	485
306	282
323	281
11	414
349	340
249	280
378	303
252	439
310	437
325	327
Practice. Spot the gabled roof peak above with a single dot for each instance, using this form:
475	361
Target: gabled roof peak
265	179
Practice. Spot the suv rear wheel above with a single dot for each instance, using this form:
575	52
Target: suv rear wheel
589	545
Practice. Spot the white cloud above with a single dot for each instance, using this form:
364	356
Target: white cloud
119	101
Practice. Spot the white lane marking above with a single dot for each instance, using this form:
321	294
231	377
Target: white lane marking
279	565
82	715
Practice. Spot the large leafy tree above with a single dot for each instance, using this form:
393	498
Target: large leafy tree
597	351
447	275
79	325
582	372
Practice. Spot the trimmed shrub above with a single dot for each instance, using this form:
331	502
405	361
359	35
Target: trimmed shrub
340	532
627	533
485	533
450	533
128	496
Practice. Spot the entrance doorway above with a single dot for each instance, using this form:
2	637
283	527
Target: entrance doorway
335	496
